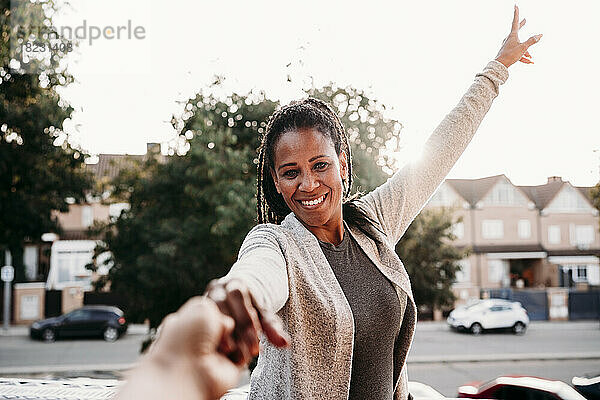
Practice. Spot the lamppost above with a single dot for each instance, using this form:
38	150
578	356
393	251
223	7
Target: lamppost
7	274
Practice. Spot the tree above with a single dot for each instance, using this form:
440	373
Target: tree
39	168
373	136
595	193
430	258
188	216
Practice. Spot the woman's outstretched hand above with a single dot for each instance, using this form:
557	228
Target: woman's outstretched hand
512	49
235	300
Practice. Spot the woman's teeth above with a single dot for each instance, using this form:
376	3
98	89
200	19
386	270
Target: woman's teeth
313	202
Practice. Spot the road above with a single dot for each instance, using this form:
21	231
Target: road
19	354
447	377
434	341
542	344
439	357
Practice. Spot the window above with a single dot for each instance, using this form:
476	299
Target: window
581	273
78	315
524	229
497	270
87	216
581	235
458	230
443	196
99	315
569	200
503	193
463	275
554	234
492	229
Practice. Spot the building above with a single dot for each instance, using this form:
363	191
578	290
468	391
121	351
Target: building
522	236
75	246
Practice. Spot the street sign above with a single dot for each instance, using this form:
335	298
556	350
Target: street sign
7	273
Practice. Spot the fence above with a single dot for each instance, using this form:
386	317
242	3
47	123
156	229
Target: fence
582	304
105	298
53	305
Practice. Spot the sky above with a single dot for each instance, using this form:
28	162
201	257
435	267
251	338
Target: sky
418	58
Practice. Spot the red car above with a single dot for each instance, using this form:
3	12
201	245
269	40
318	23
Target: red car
519	387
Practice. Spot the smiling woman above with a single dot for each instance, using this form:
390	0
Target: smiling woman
325	262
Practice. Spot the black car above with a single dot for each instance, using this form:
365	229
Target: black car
101	321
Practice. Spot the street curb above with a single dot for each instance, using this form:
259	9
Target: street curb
133	329
428	326
80	368
40	369
503	357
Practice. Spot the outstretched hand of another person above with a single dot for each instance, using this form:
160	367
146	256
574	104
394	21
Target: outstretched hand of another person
512	49
235	300
184	362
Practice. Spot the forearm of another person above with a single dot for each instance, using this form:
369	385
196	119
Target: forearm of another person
187	361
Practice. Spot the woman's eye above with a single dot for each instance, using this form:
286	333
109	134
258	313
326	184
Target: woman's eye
290	174
321	165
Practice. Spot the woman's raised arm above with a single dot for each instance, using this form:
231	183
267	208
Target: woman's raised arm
397	202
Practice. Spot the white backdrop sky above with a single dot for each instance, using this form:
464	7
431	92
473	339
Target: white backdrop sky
416	57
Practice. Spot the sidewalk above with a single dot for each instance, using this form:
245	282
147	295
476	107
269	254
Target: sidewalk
23	330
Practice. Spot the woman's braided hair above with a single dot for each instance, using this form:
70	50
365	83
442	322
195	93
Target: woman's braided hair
307	113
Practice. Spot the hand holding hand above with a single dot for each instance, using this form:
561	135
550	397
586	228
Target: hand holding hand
512	49
184	362
235	300
188	344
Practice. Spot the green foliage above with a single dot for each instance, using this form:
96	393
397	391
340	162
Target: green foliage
430	258
189	215
369	130
595	193
39	169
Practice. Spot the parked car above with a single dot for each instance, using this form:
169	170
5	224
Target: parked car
490	314
519	387
421	391
102	321
588	385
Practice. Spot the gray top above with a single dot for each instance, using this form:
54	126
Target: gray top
287	272
377	312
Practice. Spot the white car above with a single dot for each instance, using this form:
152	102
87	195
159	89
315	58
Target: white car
490	314
421	391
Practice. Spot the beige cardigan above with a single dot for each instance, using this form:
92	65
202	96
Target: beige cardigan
287	272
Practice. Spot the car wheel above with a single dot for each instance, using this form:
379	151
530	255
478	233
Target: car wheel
476	328
519	328
110	334
48	335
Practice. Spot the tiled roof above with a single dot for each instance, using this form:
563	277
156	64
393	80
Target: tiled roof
586	191
473	190
541	195
109	165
